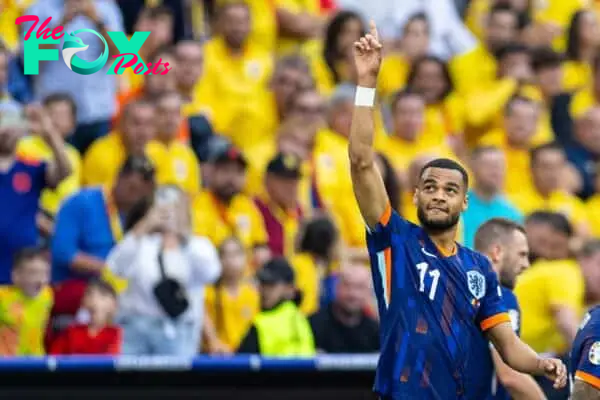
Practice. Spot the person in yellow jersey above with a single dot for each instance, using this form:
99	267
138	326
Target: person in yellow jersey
189	57
25	305
223	210
62	110
396	65
298	21
479	67
159	21
106	155
583	38
583	100
331	58
294	136
553	297
410	136
315	263
548	165
230	304
444	111
514	139
279	329
175	162
290	76
279	206
235	70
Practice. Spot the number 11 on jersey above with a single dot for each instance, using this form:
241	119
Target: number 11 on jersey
433	273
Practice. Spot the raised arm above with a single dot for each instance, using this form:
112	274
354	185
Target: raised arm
366	178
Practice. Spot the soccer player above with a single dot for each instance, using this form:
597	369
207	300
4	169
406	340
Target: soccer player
505	244
434	296
585	358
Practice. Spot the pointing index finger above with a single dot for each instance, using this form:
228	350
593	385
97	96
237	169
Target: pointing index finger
373	29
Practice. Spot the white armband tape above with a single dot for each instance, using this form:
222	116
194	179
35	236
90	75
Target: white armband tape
364	97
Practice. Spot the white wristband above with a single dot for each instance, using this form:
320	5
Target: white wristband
364	97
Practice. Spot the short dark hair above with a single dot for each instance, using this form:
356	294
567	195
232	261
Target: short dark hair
544	58
27	254
503	8
557	221
510	49
61	97
318	237
402	95
436	60
514	100
420	16
136	164
481	150
102	286
156	12
446	163
495	230
536	151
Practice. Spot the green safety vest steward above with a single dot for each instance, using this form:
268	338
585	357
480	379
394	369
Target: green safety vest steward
284	332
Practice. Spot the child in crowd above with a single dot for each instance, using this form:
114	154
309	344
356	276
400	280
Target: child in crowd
98	335
231	303
25	305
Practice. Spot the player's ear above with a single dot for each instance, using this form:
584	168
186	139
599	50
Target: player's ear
465	203
496	253
415	196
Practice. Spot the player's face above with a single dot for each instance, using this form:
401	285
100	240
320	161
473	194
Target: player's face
440	197
515	259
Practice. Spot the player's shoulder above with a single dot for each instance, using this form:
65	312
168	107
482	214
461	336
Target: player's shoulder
474	260
509	298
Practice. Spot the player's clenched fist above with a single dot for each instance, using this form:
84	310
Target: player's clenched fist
367	57
555	370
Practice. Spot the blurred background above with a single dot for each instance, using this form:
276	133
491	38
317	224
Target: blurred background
206	209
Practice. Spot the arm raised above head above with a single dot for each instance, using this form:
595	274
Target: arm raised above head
366	178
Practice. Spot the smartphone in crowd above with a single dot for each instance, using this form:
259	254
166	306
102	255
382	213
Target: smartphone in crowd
167	198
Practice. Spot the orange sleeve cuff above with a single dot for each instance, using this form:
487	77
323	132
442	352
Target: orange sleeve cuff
494	320
588	378
387	214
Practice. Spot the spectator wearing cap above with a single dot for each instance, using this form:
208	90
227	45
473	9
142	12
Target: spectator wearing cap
236	71
593	205
22	181
279	205
222	209
343	326
62	110
175	161
279	329
103	160
89	224
95	95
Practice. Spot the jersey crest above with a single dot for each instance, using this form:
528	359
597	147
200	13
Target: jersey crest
594	355
476	283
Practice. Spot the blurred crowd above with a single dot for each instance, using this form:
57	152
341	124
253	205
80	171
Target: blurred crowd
210	208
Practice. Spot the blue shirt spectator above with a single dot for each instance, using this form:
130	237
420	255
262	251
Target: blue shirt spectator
19	85
488	166
481	210
92	221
